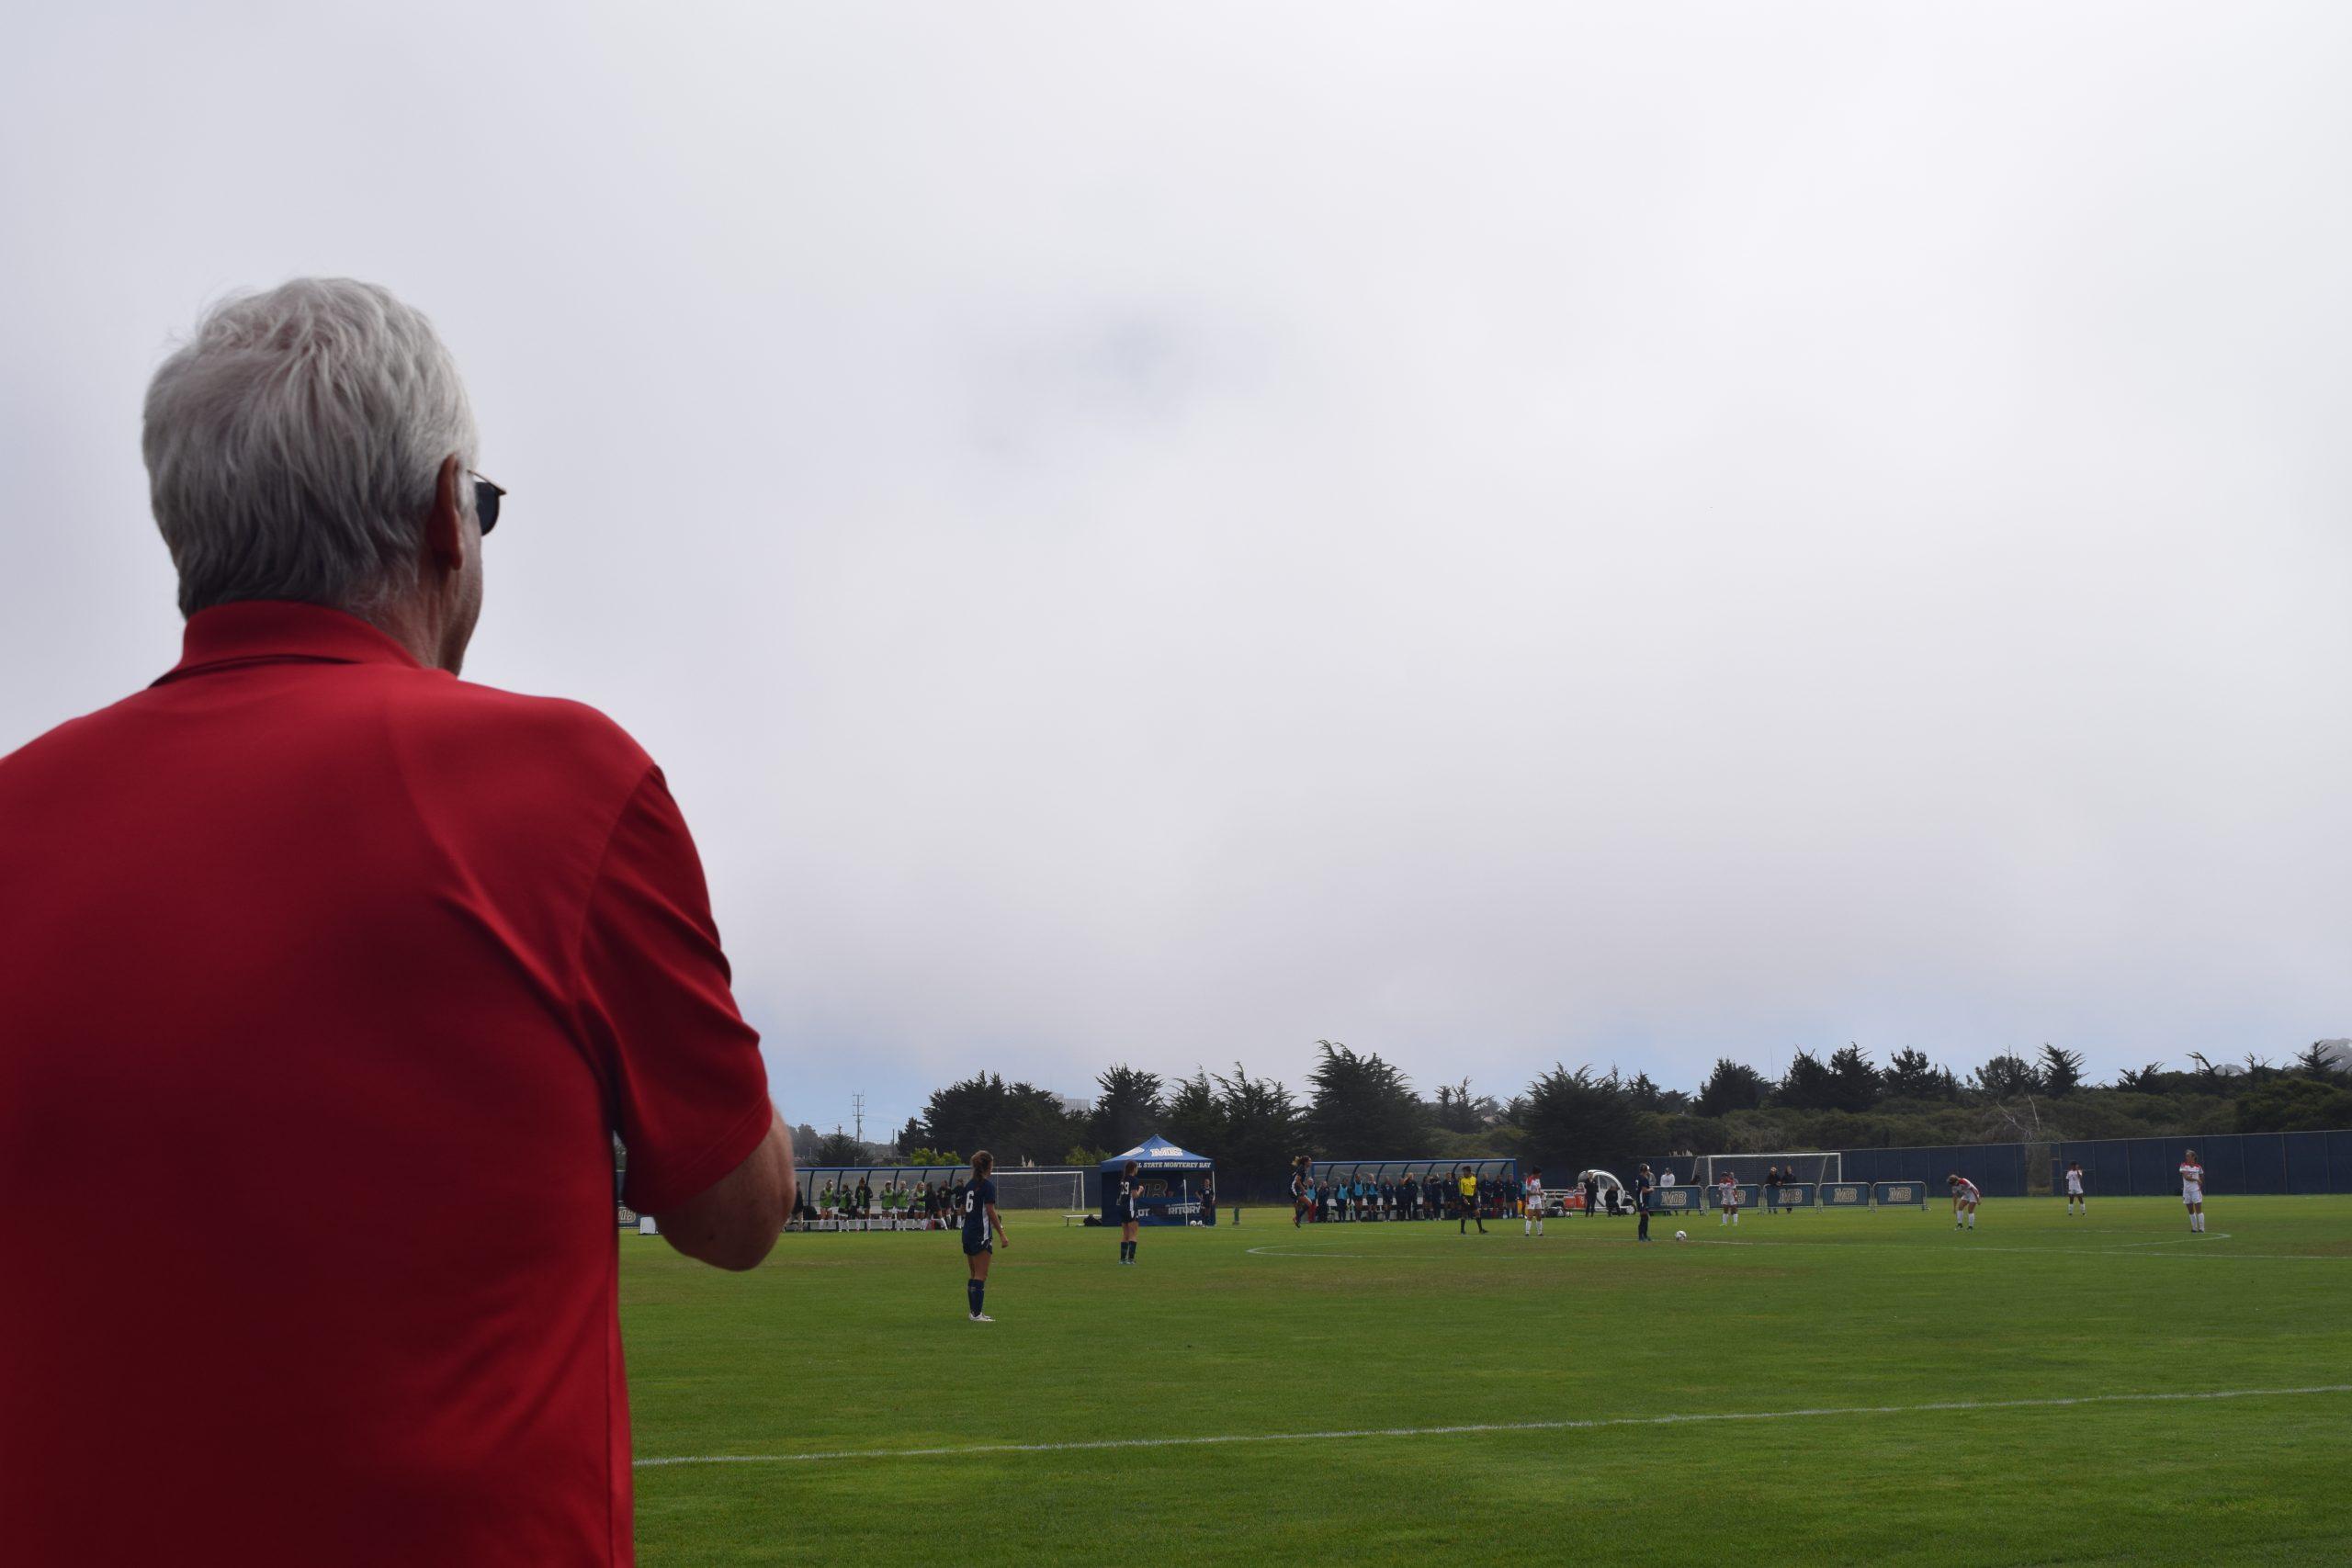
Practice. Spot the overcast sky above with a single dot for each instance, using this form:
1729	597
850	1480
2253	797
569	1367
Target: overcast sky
1496	534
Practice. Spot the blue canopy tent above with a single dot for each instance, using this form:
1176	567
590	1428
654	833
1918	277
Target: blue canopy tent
1174	1182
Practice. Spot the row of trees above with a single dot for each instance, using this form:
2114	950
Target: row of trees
1360	1106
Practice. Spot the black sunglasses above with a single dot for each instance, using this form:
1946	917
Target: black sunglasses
486	496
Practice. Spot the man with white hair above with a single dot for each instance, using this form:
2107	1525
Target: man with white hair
329	978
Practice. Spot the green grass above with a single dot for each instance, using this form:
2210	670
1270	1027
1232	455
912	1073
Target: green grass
859	1343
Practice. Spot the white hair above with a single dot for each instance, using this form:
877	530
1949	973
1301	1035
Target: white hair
295	443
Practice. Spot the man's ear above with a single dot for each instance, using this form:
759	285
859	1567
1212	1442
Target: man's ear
445	526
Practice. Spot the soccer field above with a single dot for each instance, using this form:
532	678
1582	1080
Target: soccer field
1817	1387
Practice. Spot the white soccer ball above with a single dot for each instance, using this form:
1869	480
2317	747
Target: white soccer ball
1682	1235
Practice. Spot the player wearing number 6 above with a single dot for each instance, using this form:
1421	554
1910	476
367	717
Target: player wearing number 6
1964	1198
982	1231
2192	1192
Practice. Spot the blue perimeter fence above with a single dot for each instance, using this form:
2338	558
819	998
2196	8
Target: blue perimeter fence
2119	1167
2233	1162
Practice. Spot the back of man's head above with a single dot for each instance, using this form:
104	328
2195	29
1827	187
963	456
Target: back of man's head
295	443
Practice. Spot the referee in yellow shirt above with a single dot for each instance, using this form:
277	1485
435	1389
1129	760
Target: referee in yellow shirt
1469	1186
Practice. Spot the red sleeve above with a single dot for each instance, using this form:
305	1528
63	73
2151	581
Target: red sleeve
688	1090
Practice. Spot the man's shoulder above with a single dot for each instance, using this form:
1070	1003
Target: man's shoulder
560	737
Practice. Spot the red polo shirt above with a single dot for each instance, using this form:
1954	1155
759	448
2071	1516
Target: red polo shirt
324	980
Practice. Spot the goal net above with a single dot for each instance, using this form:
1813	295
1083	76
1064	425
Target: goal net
1750	1170
1063	1191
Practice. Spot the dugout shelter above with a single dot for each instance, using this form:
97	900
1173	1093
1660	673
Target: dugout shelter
1173	1179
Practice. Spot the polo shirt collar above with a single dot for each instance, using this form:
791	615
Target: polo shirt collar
261	631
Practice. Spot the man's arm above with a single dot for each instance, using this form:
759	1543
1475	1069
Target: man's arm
733	1223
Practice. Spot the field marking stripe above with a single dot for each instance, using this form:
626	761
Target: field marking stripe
1940	1406
2127	1248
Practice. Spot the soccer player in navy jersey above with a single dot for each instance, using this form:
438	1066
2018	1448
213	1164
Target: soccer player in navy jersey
1123	1208
983	1231
1643	1187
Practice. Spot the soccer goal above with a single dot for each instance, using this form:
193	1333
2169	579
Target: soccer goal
1750	1168
1063	1191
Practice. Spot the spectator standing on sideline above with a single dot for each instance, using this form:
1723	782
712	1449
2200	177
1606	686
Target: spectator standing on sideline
1772	1189
1591	1192
387	958
1642	1189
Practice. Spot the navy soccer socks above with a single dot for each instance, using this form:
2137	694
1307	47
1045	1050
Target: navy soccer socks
975	1292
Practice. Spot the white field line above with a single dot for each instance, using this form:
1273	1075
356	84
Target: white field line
2124	1248
1938	1407
2121	1248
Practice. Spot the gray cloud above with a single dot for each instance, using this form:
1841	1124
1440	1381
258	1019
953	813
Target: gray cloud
1495	534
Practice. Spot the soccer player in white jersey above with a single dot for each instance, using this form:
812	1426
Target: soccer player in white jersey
1532	1213
1727	1200
1964	1198
2192	1192
2077	1201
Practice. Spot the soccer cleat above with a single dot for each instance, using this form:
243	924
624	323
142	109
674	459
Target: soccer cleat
982	1318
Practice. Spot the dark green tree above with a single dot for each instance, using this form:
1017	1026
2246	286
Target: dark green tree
1459	1111
1853	1081
1193	1119
1806	1085
2285	1103
2006	1077
1126	1111
1647	1096
2060	1071
973	1113
1043	1132
838	1147
1363	1105
2318	1063
2148	1079
1014	1122
1263	1129
1911	1076
1732	1086
1576	1120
